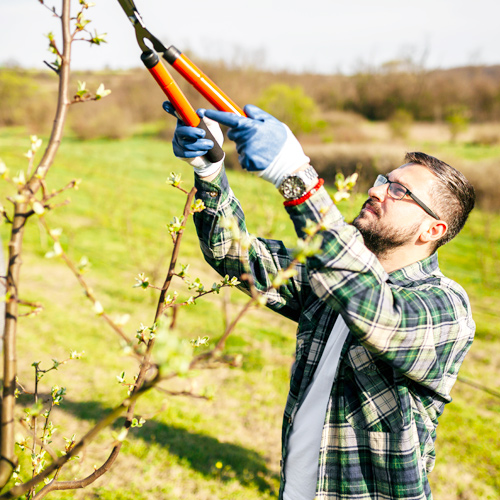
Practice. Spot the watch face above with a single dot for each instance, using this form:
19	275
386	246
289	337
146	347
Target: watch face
293	187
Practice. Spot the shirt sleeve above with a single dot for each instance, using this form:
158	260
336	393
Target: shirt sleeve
263	258
423	329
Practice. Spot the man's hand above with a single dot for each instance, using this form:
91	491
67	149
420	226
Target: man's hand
264	144
190	145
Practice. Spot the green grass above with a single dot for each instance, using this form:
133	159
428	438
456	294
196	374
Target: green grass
117	219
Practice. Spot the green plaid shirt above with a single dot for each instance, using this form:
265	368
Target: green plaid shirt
408	334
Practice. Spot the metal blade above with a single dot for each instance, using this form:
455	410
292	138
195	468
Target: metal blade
129	7
141	32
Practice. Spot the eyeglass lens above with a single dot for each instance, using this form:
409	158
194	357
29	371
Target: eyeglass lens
396	190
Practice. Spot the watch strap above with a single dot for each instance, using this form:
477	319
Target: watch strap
298	201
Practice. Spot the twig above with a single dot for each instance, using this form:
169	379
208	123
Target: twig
222	341
175	254
181	393
19	490
53	9
161	306
88	291
46	447
70	185
175	309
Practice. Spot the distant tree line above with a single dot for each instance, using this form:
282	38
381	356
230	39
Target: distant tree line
471	93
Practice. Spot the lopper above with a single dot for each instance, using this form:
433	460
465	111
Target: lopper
205	86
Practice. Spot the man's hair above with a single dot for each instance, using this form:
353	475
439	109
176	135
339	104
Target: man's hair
453	195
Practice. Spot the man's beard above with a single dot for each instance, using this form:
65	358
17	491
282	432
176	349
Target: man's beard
380	239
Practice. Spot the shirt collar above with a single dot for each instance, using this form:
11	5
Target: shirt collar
417	271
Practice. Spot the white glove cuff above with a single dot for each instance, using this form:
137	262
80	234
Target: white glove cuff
203	167
289	159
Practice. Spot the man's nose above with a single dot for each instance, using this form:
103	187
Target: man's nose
379	192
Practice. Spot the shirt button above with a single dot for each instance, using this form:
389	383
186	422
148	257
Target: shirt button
373	367
213	194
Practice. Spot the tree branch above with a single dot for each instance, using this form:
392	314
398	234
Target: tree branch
19	490
80	483
7	456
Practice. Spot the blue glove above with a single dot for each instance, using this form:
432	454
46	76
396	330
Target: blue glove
190	145
264	144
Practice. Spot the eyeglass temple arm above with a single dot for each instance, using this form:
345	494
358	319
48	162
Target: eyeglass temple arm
423	205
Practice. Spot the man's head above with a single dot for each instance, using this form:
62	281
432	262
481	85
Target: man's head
388	221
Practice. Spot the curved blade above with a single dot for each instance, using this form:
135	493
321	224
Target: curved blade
141	32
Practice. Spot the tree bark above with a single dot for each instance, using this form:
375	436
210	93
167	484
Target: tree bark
21	213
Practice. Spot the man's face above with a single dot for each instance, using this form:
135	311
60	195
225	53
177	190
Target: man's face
386	223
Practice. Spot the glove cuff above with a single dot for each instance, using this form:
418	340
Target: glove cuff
289	159
203	167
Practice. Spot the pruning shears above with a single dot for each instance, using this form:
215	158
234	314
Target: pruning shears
203	84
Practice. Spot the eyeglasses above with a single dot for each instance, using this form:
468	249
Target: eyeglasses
398	192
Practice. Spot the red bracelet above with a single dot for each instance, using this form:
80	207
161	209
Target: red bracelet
304	197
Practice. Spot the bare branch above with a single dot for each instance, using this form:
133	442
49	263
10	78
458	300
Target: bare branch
19	490
52	9
36	307
222	341
182	393
7	456
80	483
175	254
70	185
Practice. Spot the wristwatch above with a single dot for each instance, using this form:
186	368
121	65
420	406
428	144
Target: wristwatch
295	185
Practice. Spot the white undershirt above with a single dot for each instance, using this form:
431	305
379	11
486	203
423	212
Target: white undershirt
301	467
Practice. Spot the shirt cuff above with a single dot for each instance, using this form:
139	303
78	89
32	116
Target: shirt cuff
211	192
319	207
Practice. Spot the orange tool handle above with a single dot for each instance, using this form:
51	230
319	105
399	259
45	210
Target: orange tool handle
201	82
179	101
170	88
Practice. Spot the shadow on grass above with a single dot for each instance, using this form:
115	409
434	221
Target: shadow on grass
200	451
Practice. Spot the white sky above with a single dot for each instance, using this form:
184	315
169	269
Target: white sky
313	35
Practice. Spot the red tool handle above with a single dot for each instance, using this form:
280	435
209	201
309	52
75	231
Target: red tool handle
179	101
201	82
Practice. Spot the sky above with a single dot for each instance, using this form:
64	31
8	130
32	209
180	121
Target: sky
322	36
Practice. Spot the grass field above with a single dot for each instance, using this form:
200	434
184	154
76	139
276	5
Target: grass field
226	448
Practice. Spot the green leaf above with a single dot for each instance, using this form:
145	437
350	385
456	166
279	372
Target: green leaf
101	92
174	179
81	91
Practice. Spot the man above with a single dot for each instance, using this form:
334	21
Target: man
381	331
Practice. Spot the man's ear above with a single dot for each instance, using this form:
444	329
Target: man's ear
435	231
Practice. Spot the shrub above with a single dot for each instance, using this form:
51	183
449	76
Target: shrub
457	118
292	106
400	123
26	100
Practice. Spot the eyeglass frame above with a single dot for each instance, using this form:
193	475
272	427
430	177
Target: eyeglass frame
378	182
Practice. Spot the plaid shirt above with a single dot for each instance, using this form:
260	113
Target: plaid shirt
408	334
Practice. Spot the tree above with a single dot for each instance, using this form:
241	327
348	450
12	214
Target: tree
457	118
33	199
292	106
161	356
